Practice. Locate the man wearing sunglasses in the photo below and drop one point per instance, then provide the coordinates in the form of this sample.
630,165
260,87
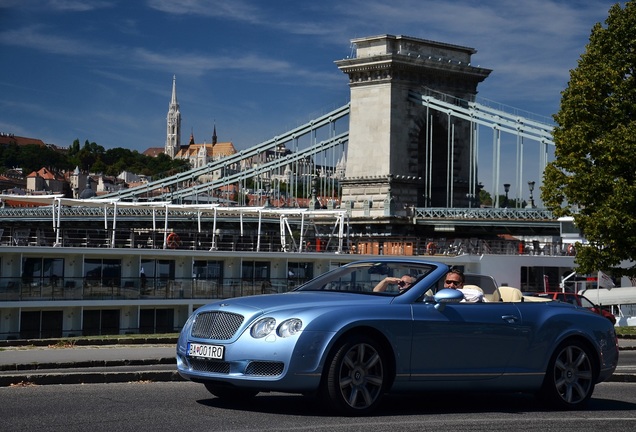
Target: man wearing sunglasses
455,280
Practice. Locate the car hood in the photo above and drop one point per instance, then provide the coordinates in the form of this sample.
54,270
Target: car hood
296,300
317,310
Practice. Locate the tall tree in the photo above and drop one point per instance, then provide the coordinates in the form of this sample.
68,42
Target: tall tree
593,176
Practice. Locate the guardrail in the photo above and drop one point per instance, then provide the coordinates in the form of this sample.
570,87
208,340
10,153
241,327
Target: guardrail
534,214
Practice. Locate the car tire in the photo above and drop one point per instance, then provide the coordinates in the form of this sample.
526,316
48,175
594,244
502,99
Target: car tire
230,393
569,380
356,376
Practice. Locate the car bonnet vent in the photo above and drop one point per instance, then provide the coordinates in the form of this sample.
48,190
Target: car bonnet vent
216,325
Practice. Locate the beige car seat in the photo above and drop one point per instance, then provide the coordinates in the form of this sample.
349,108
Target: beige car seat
510,294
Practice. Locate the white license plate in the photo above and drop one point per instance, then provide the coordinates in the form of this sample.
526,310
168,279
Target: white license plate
206,351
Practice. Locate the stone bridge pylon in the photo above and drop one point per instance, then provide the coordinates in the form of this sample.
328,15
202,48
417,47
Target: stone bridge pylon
402,154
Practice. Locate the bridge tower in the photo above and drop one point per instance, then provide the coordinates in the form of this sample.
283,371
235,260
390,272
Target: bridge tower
401,154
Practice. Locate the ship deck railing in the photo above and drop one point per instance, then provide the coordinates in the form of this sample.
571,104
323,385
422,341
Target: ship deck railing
208,240
82,288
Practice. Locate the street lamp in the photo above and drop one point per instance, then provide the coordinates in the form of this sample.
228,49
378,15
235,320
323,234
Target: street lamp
471,198
506,189
531,187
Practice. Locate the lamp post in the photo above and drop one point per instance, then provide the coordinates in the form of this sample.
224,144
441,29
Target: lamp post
506,189
531,187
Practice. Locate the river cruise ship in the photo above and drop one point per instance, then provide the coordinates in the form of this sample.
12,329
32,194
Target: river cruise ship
71,267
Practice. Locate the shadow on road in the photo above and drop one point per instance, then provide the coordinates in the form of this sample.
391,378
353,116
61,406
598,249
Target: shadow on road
284,404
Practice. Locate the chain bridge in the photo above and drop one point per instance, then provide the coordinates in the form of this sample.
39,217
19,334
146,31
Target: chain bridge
401,157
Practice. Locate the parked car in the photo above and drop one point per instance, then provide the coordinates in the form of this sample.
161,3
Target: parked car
335,338
579,300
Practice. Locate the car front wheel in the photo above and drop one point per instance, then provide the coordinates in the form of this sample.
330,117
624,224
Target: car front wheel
569,381
356,377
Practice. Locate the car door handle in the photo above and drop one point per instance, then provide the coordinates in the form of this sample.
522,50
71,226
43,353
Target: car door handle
510,319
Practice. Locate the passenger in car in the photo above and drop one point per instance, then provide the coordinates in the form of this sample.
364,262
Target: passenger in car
403,283
455,280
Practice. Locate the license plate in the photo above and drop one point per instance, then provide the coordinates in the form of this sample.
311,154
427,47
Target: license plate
206,351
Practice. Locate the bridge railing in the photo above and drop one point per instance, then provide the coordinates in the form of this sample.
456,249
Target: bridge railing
483,213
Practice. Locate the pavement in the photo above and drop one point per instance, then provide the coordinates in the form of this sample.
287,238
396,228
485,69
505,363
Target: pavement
86,361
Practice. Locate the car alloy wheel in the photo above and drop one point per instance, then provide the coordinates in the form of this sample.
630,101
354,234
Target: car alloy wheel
356,379
569,382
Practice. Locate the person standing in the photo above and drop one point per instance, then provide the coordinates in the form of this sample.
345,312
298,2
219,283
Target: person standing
142,278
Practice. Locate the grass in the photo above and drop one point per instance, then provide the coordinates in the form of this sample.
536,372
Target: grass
129,336
626,331
72,341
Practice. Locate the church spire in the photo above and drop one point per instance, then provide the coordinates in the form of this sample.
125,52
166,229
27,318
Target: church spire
173,101
214,135
173,120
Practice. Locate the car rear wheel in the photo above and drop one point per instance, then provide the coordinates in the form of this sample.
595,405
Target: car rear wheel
230,393
569,382
356,377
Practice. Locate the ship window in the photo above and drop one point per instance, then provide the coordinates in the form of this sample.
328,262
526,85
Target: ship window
300,271
42,271
540,279
207,270
255,270
105,272
156,321
101,322
159,271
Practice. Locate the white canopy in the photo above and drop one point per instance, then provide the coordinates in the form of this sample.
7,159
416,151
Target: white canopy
57,201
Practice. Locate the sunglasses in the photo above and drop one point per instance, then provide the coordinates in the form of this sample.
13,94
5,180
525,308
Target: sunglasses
403,283
452,282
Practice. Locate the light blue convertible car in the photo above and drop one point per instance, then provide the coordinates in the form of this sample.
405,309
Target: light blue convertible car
336,338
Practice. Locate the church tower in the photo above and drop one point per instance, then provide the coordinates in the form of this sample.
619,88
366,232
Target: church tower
173,120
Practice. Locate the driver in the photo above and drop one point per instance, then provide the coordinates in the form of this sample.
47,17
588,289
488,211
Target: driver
405,282
455,280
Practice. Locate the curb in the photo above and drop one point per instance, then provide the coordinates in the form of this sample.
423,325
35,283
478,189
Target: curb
626,378
85,364
89,378
86,342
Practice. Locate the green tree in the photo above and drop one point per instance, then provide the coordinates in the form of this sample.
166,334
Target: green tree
593,176
74,148
485,198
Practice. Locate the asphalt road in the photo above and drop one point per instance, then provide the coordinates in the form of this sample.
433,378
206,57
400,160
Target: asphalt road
146,406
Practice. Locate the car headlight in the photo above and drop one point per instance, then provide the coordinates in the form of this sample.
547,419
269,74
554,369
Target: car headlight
263,327
289,327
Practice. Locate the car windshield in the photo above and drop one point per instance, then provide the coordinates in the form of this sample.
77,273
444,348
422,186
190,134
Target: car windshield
363,277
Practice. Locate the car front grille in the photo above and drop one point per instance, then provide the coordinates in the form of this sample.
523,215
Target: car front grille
216,325
202,365
255,368
264,368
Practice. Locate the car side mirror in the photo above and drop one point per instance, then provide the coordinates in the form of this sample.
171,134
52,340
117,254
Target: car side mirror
447,295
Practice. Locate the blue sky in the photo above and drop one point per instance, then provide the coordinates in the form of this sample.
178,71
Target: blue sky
102,69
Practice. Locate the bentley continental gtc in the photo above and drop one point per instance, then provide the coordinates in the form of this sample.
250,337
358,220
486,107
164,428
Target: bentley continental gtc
377,327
